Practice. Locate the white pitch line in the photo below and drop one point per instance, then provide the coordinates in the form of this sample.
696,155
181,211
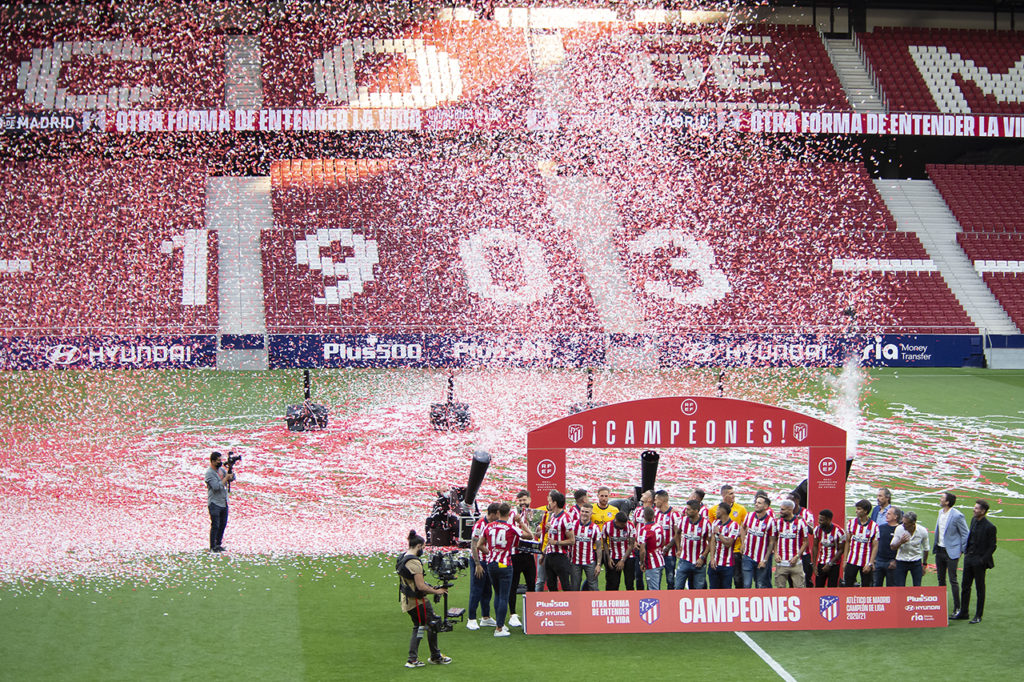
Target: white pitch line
772,663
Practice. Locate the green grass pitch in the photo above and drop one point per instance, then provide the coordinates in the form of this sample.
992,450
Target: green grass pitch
337,618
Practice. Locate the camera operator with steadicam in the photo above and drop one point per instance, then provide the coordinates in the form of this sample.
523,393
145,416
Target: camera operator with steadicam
414,590
218,485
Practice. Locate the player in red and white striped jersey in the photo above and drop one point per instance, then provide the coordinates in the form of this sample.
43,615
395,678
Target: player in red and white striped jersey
808,517
588,552
651,539
724,534
692,538
498,542
828,550
637,519
698,494
619,539
758,533
862,543
582,500
560,539
668,518
479,583
794,536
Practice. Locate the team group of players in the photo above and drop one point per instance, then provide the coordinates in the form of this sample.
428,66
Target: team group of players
696,547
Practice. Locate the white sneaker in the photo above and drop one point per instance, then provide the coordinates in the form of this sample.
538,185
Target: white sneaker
471,624
514,621
501,632
488,622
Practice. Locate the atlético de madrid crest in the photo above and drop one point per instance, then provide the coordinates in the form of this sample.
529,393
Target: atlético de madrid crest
829,607
575,432
649,610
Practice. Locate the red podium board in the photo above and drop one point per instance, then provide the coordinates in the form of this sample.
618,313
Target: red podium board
565,613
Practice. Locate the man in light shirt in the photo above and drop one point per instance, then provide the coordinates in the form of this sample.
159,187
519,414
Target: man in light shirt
910,541
950,543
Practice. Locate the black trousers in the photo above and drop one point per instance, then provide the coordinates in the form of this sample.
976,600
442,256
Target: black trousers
805,560
556,567
828,578
525,566
612,577
973,573
423,618
945,566
850,576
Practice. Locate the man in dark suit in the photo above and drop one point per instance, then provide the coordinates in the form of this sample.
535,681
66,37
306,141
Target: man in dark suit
981,543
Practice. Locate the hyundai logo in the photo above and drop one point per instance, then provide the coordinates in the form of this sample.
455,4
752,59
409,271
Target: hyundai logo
63,354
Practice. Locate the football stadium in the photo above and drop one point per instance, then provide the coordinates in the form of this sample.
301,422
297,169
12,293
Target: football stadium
395,262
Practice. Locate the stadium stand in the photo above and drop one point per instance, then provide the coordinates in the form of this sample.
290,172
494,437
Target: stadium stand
418,246
164,58
701,67
106,247
778,252
382,246
986,203
317,63
953,71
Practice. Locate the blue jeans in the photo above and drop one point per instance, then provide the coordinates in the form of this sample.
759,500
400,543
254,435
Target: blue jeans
479,592
670,572
720,578
218,522
883,573
914,568
653,578
501,579
689,573
753,576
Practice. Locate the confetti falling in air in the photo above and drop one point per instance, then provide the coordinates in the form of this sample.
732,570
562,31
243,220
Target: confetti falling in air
511,228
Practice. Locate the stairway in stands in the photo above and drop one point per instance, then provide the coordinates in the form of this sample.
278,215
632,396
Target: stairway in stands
918,207
854,75
243,79
238,208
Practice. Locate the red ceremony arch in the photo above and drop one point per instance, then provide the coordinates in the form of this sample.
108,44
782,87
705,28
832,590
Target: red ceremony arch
692,422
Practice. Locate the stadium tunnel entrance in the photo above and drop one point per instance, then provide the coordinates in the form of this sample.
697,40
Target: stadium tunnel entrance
692,422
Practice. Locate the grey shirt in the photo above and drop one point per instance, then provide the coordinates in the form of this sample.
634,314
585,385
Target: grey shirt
216,492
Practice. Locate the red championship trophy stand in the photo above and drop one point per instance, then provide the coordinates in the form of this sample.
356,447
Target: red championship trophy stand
698,422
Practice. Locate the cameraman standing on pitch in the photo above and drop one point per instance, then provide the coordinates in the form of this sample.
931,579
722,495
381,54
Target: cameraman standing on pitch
414,590
218,480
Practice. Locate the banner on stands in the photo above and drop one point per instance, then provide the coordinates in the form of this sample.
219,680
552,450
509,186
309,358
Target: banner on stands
805,350
109,352
470,118
564,613
435,350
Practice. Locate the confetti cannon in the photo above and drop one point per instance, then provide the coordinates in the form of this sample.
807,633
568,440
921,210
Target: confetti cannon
453,514
648,475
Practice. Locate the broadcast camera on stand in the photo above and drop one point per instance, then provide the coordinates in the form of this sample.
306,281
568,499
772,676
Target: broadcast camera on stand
453,514
589,404
308,416
450,415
